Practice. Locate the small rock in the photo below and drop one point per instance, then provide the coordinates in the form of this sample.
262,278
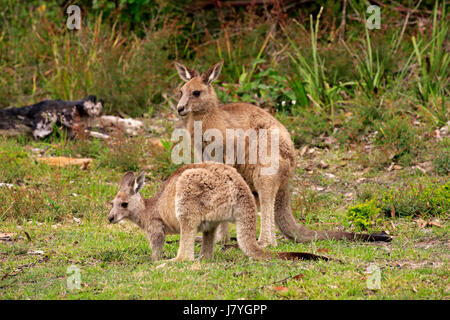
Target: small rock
303,150
437,134
35,252
348,195
98,135
162,265
330,140
37,150
7,237
8,185
323,165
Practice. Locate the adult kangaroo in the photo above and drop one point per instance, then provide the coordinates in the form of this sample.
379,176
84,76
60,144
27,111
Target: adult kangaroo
199,102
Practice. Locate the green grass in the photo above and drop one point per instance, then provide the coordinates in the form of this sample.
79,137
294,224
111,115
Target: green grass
43,208
380,94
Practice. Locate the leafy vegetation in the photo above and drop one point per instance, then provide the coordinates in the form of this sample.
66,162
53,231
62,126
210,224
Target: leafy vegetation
362,215
368,111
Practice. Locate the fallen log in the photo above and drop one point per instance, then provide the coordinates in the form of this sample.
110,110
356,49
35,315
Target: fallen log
40,118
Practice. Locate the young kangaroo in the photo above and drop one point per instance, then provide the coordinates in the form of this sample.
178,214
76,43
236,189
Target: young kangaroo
196,197
198,100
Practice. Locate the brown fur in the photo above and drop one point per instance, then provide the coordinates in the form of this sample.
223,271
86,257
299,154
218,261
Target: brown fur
273,190
197,197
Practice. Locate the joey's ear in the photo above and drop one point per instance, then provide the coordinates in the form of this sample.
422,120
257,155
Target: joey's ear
127,180
139,182
186,73
212,73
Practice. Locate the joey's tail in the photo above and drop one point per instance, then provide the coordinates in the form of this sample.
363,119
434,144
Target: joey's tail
246,237
299,233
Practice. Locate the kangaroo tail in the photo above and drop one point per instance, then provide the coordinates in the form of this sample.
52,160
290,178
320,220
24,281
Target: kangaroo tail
299,233
246,237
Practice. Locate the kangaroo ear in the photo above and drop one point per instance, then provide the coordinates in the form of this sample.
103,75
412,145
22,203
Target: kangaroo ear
127,180
186,73
213,73
139,182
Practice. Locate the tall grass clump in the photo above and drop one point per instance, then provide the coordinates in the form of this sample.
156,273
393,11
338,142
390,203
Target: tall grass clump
432,75
102,58
370,69
311,80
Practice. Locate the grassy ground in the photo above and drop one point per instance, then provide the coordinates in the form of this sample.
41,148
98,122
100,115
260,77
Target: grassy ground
57,218
368,111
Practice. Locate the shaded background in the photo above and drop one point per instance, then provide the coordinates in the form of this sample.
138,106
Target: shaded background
333,74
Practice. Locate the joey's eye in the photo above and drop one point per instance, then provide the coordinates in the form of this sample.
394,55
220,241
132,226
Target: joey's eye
196,93
180,93
124,204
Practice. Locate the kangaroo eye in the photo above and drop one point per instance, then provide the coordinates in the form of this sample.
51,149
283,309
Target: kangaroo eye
196,93
124,204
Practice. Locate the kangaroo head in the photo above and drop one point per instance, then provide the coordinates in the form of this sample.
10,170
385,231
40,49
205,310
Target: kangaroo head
128,203
197,95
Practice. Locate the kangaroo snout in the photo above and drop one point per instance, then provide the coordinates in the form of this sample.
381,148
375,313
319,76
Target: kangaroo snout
111,219
182,110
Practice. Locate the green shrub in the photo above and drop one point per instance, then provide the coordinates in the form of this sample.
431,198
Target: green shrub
12,165
417,199
363,215
401,137
442,162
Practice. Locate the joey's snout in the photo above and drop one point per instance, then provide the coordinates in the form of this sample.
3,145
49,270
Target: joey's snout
112,216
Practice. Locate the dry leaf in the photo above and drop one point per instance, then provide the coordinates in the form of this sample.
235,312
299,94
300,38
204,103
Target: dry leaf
298,277
330,140
28,235
65,161
280,289
303,151
162,265
323,165
323,250
392,212
156,142
434,223
421,223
